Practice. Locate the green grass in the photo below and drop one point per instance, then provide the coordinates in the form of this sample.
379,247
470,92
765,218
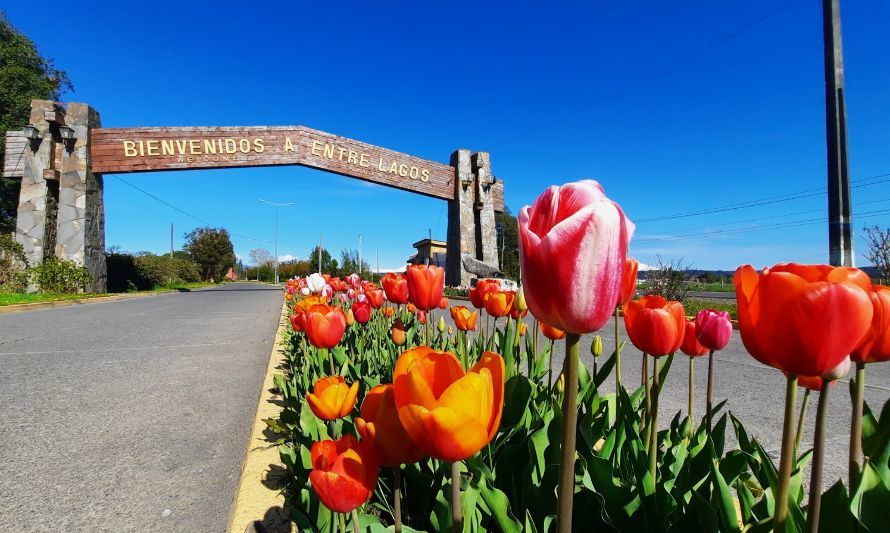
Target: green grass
13,298
694,305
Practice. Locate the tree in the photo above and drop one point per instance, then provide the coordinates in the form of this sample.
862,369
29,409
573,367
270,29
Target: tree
24,75
212,250
878,252
508,244
328,264
349,263
260,256
669,279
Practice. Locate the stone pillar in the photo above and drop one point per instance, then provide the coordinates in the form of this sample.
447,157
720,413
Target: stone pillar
80,235
30,229
461,220
486,227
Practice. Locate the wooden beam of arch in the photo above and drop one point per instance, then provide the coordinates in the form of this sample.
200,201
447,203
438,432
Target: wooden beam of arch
123,150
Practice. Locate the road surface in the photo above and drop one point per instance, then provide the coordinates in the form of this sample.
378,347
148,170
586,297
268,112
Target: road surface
131,415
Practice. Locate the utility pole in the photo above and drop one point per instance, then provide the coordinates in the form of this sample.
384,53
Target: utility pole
359,254
378,263
276,206
840,216
320,250
171,240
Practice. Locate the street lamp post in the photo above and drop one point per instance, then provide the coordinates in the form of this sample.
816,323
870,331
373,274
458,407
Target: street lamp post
276,206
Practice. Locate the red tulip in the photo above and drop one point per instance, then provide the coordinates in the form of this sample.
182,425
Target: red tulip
628,281
802,319
421,316
483,287
396,288
655,325
443,303
380,425
344,473
875,346
573,244
815,383
296,321
713,328
375,296
425,286
324,325
362,312
690,345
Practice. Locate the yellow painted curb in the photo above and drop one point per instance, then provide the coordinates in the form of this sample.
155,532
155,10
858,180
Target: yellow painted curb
257,498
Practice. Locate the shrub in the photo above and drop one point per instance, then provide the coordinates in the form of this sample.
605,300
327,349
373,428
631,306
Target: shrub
60,276
127,272
13,266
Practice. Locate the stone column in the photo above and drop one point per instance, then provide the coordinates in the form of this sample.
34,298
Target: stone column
80,235
461,220
486,227
30,229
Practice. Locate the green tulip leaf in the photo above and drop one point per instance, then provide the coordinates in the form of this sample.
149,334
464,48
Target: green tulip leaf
517,395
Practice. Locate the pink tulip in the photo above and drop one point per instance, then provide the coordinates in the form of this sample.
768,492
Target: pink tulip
713,328
343,298
354,280
327,291
573,243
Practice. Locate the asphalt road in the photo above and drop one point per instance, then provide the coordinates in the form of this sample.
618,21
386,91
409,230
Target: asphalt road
755,393
131,415
711,295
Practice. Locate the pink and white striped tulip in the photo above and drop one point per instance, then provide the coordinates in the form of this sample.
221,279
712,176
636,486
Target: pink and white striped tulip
573,243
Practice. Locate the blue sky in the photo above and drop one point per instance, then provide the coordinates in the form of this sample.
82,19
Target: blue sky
634,94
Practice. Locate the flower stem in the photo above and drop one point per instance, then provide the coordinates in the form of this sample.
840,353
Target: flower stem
550,371
653,422
331,361
691,393
710,393
644,381
342,517
856,427
566,490
800,420
818,462
397,498
781,513
617,352
457,518
355,526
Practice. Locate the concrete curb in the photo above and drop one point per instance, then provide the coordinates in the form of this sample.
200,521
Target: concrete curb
254,501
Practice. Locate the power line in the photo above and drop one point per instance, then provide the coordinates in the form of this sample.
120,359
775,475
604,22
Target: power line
186,213
765,201
621,90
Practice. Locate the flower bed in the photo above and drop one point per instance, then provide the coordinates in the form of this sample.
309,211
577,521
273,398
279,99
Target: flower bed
393,421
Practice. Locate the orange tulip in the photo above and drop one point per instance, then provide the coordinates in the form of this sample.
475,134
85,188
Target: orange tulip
398,332
483,287
389,311
379,424
331,398
802,319
655,325
396,288
449,414
499,303
628,281
425,286
691,346
411,308
551,332
464,319
325,325
875,346
344,473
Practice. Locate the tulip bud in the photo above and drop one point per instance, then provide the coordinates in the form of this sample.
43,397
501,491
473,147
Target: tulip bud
519,303
450,331
421,316
561,383
350,317
522,329
398,332
596,347
440,325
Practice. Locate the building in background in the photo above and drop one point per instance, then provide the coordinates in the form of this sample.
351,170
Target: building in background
429,251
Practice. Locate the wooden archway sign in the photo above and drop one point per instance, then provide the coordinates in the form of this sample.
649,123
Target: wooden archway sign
62,160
